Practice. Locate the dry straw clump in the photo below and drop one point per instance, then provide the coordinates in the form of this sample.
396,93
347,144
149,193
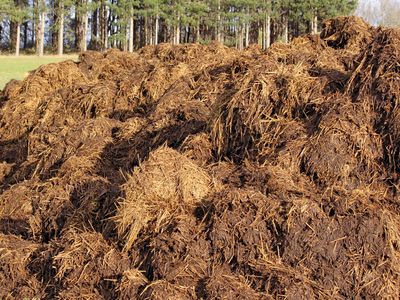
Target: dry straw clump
165,185
15,277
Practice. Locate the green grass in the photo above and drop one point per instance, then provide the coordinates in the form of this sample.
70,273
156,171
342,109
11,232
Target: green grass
18,67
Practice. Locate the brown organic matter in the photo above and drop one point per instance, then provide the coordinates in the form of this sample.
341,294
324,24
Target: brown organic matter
203,172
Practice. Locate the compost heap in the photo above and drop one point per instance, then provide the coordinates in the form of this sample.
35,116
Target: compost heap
202,172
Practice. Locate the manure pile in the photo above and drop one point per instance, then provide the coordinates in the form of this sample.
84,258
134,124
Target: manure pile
202,172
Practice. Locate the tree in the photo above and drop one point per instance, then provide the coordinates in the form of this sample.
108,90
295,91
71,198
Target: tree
17,13
130,24
41,28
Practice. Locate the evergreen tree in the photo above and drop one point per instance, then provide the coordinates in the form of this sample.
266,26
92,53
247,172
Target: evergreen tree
130,24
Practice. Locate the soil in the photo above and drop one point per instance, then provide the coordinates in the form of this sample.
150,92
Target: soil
203,172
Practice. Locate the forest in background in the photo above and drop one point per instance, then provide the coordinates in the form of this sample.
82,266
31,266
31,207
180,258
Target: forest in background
58,26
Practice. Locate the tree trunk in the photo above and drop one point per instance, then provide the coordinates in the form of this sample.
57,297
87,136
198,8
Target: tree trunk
18,39
315,24
286,31
219,22
247,39
103,26
247,28
197,38
13,34
94,34
85,30
126,40
25,41
242,36
188,33
54,24
156,29
131,33
35,23
150,31
60,47
81,25
178,31
312,25
40,50
146,31
267,32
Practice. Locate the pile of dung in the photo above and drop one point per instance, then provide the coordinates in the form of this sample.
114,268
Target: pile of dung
203,172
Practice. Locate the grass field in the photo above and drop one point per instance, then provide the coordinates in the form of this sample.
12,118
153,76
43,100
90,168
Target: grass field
18,67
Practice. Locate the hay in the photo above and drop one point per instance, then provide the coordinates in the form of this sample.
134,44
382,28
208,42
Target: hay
132,282
198,148
350,33
225,285
163,290
16,280
376,84
165,185
262,98
83,255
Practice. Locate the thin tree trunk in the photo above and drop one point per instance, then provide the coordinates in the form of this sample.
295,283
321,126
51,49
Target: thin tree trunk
312,25
267,30
156,29
197,38
41,29
286,31
105,42
150,31
237,37
136,33
85,30
60,46
247,39
145,31
35,23
247,28
18,39
25,41
94,28
168,35
242,35
188,33
315,24
13,34
178,31
131,32
103,25
264,32
126,40
219,22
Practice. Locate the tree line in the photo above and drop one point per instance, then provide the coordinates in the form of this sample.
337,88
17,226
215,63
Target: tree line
77,25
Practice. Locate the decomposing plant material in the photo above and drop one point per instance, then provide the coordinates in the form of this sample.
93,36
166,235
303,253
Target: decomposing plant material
203,172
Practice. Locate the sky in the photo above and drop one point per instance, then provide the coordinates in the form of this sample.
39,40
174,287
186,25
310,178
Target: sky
376,13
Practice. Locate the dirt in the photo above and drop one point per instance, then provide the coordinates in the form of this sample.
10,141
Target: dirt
203,172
